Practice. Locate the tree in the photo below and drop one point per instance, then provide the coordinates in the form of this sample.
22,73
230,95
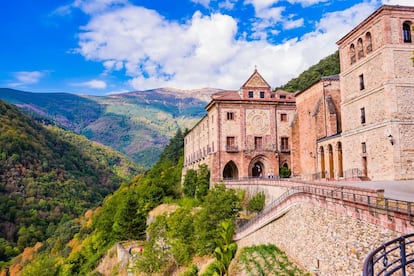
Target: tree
43,265
219,205
181,235
129,222
190,183
203,181
156,252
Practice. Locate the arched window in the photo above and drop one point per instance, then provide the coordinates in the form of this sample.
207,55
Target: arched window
352,54
368,42
407,32
360,48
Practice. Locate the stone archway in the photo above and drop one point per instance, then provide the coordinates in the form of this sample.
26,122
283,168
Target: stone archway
257,167
230,171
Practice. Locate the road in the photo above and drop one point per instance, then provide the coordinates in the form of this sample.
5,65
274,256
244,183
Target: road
401,190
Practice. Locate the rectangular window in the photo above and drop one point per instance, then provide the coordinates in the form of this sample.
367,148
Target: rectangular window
250,94
231,143
230,116
258,143
282,96
363,115
364,147
284,144
361,82
283,117
262,94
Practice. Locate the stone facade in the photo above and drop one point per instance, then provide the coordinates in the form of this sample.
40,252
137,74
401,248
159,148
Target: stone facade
377,93
359,124
318,122
246,133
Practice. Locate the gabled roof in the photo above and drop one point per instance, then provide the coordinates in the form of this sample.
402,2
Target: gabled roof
226,95
255,80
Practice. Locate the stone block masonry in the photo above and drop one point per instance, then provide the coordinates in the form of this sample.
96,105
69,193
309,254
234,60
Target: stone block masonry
311,235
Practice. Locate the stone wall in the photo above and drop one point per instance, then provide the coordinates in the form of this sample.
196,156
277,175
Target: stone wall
311,235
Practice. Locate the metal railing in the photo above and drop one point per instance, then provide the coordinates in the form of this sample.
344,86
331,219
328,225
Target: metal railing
374,203
393,256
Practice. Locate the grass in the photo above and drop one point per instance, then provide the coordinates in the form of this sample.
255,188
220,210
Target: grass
266,260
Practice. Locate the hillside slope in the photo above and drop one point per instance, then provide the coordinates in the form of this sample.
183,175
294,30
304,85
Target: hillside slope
138,124
48,175
325,67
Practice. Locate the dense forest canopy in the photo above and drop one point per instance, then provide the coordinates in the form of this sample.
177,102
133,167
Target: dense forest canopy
326,67
48,176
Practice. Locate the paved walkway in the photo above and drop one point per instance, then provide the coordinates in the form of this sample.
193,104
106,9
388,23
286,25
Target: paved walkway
401,190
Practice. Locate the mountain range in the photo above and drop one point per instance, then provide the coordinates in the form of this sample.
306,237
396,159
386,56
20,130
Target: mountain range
137,124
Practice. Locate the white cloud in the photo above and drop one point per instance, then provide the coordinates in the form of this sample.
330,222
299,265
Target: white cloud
227,4
204,51
94,84
398,2
306,3
97,6
23,78
204,3
261,4
292,24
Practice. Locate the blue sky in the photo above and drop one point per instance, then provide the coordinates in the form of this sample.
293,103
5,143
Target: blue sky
100,47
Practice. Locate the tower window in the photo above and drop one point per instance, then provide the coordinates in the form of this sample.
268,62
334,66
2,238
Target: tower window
407,32
360,48
230,116
283,117
363,115
262,94
352,54
250,94
368,41
364,147
361,82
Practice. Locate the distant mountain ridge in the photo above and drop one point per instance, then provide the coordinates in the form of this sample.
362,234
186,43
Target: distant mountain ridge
138,124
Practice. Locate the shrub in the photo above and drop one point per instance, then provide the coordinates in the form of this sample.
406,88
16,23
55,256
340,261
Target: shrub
256,203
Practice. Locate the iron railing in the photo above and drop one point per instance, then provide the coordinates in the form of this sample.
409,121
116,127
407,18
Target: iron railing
374,203
393,256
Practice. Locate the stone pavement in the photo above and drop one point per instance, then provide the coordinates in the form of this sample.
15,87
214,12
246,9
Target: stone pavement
401,190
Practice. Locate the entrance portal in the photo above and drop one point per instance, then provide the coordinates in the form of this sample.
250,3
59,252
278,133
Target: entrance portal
230,171
257,169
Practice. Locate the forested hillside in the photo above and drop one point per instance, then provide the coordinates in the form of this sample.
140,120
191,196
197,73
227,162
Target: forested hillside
49,176
137,124
325,67
77,245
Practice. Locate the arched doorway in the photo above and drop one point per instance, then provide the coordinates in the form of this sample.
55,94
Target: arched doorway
331,162
230,171
257,169
340,162
322,154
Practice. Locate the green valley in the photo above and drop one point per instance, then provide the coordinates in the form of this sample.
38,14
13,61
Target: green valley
137,124
48,177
